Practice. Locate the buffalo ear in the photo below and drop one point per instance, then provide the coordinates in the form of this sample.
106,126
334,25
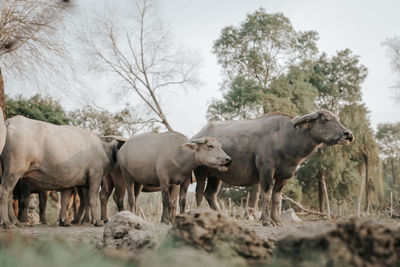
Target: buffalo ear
189,146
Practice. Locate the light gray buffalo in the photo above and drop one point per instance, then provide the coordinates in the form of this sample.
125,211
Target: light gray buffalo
159,160
267,150
3,131
52,157
115,181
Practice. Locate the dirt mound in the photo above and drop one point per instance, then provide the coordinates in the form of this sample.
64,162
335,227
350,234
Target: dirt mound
212,232
352,242
127,231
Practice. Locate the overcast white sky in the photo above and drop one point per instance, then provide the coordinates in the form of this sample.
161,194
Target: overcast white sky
359,25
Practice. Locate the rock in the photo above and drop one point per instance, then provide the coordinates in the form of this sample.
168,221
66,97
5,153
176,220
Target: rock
127,231
290,216
215,233
347,243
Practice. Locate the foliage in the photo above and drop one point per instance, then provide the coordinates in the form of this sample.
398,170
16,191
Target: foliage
37,107
262,49
388,136
125,122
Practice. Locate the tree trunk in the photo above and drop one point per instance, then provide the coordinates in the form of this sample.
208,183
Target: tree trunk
321,194
393,171
366,183
2,96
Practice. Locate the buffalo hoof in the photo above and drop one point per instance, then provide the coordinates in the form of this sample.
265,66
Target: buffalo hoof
19,224
75,222
44,221
85,220
99,223
64,223
278,222
9,225
268,222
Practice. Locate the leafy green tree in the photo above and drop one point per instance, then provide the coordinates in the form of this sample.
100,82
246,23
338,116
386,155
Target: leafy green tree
125,122
37,107
339,82
388,136
253,55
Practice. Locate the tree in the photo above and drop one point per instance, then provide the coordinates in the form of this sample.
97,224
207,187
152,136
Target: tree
30,49
388,136
393,52
263,48
125,122
37,107
130,42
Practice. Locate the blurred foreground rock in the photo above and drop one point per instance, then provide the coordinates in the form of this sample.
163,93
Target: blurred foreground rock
347,243
127,231
215,233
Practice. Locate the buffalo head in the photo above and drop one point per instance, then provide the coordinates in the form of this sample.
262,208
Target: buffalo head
208,152
324,127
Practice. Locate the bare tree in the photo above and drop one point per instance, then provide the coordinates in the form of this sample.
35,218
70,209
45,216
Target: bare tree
130,41
29,45
393,52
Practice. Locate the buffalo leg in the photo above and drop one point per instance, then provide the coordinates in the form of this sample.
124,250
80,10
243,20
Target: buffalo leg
43,195
94,186
105,192
213,186
166,200
119,191
200,174
266,192
276,196
182,195
137,189
130,187
174,194
6,187
65,199
24,195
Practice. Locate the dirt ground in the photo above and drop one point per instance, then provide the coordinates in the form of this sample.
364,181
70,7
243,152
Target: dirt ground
92,235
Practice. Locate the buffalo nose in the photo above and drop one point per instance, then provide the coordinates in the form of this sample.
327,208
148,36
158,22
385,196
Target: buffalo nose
228,161
349,135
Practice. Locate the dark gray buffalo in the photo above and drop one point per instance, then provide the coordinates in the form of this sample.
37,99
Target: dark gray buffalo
159,160
52,157
267,150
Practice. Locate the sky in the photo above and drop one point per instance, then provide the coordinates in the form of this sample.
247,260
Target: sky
361,26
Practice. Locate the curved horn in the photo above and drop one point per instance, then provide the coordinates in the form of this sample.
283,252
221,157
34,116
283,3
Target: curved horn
199,141
305,118
115,137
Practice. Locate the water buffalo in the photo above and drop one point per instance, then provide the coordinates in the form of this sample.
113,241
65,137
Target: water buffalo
167,158
115,181
55,158
3,131
266,150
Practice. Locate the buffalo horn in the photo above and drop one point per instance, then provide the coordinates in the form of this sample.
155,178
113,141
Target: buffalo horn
305,118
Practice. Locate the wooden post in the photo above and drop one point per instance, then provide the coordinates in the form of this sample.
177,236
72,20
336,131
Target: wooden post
359,199
391,204
229,206
328,206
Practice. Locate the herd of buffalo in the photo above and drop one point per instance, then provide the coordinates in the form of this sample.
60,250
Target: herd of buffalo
38,157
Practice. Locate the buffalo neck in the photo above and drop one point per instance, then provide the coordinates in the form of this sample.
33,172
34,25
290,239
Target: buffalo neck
186,160
301,143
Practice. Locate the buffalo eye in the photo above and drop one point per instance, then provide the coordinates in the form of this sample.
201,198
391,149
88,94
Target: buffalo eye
210,146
